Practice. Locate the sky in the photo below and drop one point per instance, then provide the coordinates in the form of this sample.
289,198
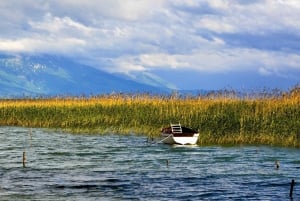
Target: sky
207,44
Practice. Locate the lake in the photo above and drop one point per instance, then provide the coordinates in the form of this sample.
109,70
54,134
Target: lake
67,167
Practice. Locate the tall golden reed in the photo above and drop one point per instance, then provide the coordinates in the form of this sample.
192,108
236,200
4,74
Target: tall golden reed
219,119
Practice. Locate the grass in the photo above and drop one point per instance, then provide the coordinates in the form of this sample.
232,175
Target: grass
220,119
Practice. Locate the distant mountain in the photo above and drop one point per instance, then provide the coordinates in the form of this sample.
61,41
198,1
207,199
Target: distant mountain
24,75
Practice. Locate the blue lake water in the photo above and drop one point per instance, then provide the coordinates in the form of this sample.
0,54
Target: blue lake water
62,166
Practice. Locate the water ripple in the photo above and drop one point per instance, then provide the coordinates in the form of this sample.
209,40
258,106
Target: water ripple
111,167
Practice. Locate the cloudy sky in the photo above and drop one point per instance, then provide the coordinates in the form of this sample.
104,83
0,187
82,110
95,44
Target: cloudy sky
207,44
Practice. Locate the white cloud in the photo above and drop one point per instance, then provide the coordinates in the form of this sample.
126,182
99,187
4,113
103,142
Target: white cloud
258,17
130,10
52,24
216,25
12,46
213,61
264,71
163,60
137,35
41,45
219,4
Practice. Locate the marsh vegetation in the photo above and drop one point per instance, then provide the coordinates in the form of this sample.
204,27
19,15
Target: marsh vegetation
221,118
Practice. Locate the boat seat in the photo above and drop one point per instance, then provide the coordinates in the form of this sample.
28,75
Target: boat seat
176,128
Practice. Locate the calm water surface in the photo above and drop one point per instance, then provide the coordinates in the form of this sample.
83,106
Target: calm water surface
111,167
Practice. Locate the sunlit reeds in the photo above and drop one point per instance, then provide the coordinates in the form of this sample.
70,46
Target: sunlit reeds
220,119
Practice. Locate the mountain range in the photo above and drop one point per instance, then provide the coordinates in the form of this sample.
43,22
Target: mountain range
24,75
48,75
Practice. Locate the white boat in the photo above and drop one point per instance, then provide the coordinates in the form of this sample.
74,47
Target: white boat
177,134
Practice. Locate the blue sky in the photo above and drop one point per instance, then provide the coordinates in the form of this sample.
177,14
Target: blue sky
206,44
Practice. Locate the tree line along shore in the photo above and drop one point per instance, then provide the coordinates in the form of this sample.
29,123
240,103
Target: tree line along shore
221,119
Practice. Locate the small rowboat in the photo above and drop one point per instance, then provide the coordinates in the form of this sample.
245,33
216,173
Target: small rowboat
177,134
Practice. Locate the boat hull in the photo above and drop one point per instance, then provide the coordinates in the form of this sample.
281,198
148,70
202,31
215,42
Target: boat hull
181,140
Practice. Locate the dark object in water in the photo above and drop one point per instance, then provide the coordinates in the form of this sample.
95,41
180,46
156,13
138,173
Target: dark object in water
292,188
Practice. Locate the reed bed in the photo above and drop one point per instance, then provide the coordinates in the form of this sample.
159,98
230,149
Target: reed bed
226,120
